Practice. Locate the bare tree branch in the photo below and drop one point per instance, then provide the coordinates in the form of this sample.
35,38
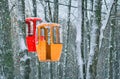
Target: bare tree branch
106,4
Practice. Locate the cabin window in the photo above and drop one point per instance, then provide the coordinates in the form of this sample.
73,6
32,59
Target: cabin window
42,34
54,35
29,29
48,36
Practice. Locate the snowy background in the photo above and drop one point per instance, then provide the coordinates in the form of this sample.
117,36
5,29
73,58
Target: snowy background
90,33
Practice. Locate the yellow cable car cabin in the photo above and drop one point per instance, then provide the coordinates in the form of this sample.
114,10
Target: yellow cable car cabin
48,46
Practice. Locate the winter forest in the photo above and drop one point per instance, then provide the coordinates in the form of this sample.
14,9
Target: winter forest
89,31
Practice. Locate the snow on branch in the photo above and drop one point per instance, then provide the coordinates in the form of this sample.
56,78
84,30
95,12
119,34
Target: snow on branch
22,42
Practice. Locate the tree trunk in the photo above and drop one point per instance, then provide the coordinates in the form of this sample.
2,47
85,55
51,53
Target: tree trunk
6,52
34,8
94,41
67,38
112,40
56,11
114,43
79,39
21,59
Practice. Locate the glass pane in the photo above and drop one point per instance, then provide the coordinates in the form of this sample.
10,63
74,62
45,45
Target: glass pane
36,38
42,36
42,32
26,29
48,35
54,35
31,28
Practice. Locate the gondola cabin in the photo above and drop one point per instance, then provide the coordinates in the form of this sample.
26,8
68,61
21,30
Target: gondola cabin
31,33
48,46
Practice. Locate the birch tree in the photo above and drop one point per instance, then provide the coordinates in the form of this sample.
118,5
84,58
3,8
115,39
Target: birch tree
79,39
94,40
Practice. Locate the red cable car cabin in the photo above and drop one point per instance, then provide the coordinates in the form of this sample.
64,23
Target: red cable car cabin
31,33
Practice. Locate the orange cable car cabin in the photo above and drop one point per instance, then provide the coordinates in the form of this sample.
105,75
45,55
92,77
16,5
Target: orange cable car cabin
31,33
48,46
